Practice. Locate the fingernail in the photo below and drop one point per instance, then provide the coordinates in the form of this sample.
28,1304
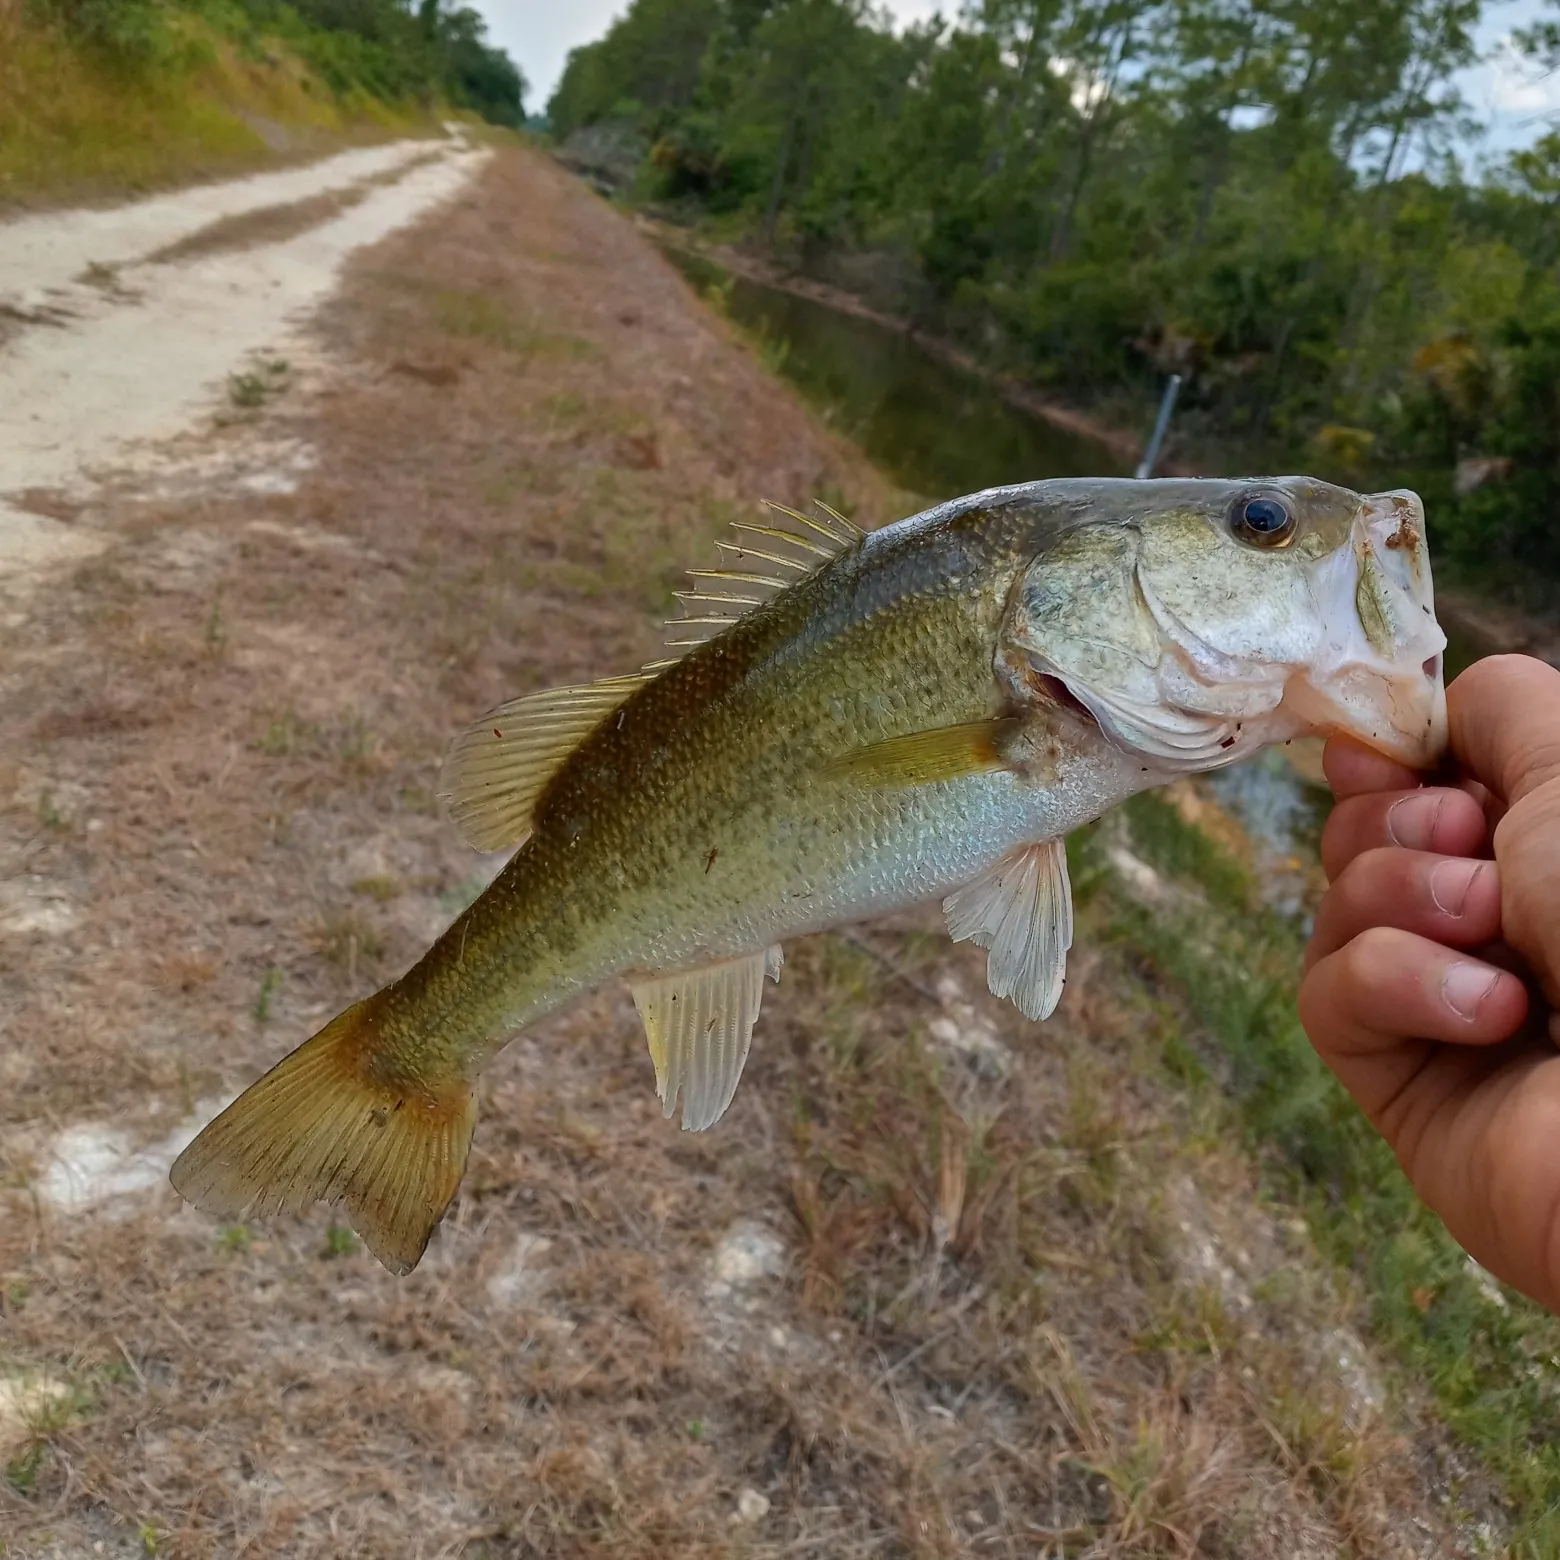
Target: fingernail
1465,986
1451,882
1411,820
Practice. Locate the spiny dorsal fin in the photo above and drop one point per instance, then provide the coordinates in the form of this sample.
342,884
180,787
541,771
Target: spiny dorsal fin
699,1024
925,757
1021,909
752,572
497,766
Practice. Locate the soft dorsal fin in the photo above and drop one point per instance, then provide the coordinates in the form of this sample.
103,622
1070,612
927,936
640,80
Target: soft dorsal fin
763,560
497,766
1020,909
699,1024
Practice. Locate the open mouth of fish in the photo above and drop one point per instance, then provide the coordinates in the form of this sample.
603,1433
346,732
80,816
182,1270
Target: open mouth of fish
1372,670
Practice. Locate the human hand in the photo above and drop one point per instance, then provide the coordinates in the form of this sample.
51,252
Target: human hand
1433,974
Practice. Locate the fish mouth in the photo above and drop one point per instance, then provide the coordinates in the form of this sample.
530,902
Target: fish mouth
1054,690
1378,676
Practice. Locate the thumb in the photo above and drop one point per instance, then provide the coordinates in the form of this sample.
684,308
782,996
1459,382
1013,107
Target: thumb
1505,726
1504,714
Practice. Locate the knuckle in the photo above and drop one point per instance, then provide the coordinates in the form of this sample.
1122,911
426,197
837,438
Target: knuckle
1374,879
1367,956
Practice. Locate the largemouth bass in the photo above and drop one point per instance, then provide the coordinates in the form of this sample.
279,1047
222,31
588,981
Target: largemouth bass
859,723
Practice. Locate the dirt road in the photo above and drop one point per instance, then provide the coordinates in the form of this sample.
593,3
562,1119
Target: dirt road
122,326
942,1283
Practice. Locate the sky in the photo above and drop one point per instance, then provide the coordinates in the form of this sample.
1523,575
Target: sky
538,35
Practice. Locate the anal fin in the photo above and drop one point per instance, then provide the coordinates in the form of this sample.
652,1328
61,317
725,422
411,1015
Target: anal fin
1021,910
699,1025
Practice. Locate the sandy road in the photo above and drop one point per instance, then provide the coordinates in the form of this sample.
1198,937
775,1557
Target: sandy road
120,327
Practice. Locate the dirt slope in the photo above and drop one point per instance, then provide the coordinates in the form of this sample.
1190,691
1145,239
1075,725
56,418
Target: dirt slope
942,1283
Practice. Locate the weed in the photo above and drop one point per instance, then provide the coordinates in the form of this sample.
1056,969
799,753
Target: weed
246,391
254,387
270,985
345,938
50,814
565,406
381,889
355,744
478,316
21,1472
419,799
216,635
339,1242
773,352
47,1409
234,1238
284,736
151,1539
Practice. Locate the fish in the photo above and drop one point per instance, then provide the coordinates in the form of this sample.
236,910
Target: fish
855,723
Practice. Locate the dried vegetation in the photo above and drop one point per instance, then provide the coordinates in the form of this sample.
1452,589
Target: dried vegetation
942,1284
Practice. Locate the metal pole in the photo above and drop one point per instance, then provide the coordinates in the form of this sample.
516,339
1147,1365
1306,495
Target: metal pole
1166,406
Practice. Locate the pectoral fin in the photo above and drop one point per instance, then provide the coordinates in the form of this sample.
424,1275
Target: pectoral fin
1020,909
924,757
699,1024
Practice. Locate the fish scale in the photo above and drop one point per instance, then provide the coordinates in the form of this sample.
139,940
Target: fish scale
870,722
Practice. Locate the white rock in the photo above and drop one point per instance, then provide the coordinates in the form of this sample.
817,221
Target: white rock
520,1281
751,1506
747,1253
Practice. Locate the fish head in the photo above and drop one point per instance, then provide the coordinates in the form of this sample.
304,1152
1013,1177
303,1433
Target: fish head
1199,621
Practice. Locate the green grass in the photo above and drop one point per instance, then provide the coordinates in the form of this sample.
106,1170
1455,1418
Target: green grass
1490,1359
270,985
85,119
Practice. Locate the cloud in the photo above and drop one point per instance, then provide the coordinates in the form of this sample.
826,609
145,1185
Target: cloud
1513,85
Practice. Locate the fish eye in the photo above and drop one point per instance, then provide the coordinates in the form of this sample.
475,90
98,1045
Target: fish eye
1262,520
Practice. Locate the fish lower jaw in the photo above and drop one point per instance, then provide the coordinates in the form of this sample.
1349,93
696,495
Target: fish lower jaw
1401,718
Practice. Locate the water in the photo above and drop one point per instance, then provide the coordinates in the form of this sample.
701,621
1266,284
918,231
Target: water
936,430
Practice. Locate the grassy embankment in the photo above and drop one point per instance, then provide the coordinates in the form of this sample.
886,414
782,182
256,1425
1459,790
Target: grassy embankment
1226,974
1221,982
82,116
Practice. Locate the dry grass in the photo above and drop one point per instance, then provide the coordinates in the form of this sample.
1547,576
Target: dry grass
1005,1291
277,224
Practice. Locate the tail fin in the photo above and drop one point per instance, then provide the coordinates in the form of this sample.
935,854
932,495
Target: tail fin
319,1127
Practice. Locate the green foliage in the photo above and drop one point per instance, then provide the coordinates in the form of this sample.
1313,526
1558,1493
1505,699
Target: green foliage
1094,193
649,61
128,32
395,50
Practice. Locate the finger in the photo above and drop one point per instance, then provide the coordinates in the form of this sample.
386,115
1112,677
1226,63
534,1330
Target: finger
1371,1006
1489,803
1527,841
1504,714
1449,898
1353,769
1447,822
